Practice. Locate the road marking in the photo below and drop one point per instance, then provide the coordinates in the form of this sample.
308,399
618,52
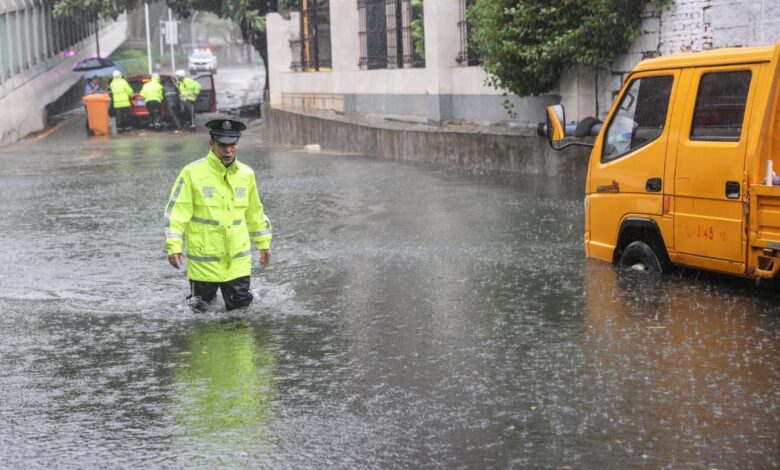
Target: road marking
47,132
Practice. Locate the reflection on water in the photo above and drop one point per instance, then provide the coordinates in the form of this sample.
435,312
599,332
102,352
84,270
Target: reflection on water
224,381
682,374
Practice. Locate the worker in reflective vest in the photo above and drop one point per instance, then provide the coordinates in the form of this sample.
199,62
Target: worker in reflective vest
121,92
214,205
152,92
189,90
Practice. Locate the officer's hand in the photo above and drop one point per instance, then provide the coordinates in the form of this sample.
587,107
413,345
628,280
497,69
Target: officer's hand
175,260
265,257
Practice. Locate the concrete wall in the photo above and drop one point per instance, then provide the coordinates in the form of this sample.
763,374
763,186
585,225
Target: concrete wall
28,93
478,148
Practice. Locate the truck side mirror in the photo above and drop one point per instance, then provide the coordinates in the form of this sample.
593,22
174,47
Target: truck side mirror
556,119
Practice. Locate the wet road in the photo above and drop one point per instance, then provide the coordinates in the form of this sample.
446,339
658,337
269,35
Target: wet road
411,317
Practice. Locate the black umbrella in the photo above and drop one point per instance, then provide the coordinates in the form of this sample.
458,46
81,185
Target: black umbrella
92,63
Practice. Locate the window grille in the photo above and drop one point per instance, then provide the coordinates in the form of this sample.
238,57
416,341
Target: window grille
295,49
468,54
386,39
315,51
393,18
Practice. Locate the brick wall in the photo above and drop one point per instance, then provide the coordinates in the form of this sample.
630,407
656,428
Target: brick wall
691,26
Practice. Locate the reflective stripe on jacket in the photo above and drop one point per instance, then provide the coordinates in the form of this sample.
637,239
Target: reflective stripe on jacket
218,211
152,90
188,89
121,91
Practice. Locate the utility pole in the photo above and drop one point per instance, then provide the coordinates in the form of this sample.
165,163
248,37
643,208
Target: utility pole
148,41
172,31
97,36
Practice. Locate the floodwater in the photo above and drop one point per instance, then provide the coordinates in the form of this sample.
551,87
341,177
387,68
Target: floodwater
410,317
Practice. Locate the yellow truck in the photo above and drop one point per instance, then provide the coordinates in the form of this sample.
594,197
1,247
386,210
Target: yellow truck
681,171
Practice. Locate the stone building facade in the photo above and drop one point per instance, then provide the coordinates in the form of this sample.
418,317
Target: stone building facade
446,85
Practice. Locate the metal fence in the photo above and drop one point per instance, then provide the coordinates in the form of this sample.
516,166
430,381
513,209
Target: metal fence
468,53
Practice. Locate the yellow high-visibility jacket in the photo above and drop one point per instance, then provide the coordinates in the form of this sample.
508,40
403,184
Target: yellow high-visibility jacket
121,92
152,90
188,89
217,210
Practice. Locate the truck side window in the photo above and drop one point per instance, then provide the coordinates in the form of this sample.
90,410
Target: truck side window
720,106
640,116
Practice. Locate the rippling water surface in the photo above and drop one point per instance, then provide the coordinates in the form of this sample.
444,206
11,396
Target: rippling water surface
411,317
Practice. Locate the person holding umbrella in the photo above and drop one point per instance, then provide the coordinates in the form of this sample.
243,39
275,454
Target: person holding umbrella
121,92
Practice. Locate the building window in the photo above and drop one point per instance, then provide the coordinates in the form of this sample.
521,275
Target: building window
389,32
295,50
13,43
43,34
5,71
468,54
315,35
50,44
24,32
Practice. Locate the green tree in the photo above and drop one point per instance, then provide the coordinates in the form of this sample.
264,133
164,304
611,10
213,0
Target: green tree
524,45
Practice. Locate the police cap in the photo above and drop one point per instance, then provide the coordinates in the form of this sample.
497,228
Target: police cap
225,131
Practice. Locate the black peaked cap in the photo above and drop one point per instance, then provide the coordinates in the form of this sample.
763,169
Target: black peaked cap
225,131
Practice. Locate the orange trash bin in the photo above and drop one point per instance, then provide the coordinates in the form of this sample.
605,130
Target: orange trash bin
97,112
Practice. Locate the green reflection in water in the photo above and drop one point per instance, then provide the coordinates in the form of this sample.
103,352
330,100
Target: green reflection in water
225,379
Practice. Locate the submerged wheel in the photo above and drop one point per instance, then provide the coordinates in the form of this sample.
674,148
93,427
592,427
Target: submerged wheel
641,256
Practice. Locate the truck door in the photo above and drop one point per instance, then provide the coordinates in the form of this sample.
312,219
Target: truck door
710,167
626,171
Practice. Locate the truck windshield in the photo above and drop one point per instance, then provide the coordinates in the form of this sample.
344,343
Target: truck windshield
640,116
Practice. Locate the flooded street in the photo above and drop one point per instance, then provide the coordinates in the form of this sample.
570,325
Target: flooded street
410,317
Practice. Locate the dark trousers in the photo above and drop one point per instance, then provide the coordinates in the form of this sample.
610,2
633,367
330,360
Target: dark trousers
154,113
236,293
188,113
121,117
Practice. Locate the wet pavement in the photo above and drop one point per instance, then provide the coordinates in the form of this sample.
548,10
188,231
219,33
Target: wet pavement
411,317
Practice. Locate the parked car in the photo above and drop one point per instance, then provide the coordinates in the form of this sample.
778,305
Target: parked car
139,114
203,60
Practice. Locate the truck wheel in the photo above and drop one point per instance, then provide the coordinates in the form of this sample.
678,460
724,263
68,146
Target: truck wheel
640,256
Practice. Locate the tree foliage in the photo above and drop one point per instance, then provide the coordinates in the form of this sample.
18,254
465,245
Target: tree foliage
524,45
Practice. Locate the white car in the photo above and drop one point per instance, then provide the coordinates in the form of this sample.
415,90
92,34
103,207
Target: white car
202,60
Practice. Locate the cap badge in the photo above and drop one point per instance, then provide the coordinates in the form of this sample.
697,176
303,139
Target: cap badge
226,125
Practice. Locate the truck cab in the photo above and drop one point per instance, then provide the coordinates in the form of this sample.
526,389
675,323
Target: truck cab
681,169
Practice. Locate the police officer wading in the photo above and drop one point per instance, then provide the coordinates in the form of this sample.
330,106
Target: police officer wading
214,206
